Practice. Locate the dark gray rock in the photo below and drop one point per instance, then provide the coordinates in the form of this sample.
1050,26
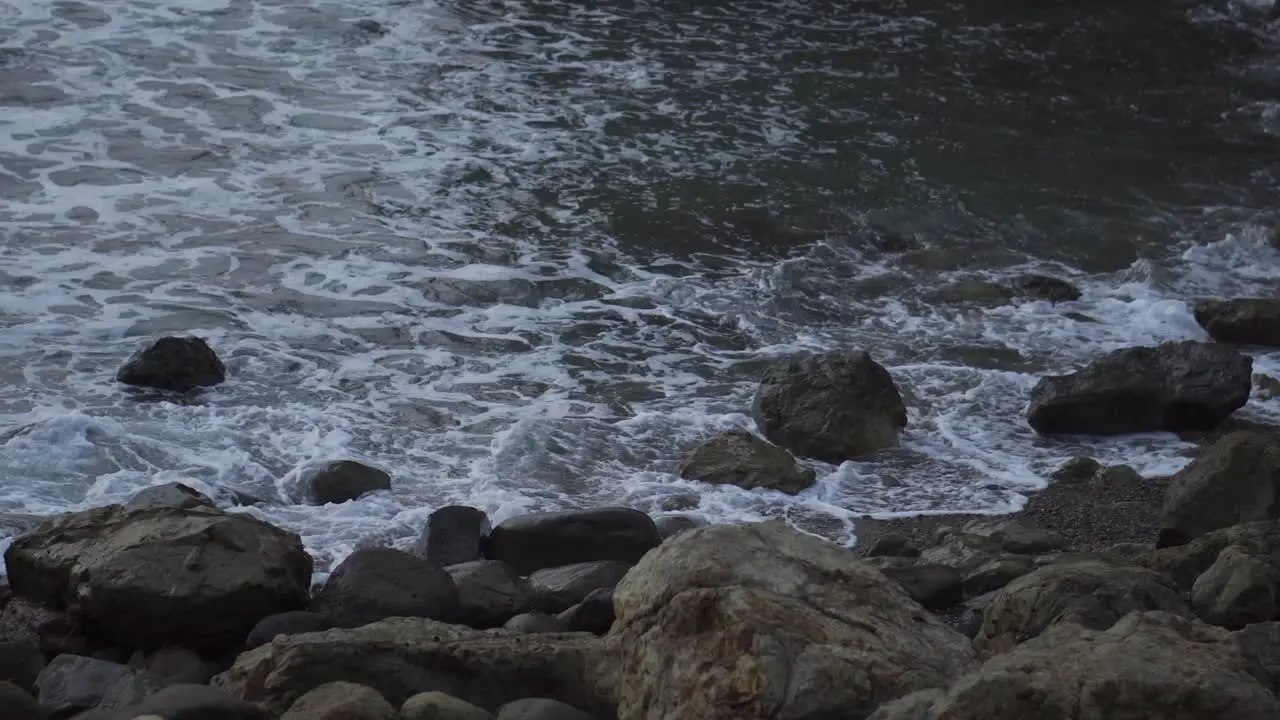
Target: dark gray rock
594,614
893,545
490,592
17,704
558,589
740,458
936,587
833,407
1247,321
971,613
173,363
196,702
175,495
454,534
996,573
52,631
439,706
1015,536
294,622
73,683
540,709
546,540
1043,287
1173,387
1237,590
341,701
175,665
376,583
1235,480
153,577
343,481
671,525
528,623
20,662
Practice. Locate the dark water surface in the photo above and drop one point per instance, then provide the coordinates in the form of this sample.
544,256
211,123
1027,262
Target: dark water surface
523,254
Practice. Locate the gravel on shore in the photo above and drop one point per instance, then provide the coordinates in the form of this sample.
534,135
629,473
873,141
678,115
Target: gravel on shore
1093,508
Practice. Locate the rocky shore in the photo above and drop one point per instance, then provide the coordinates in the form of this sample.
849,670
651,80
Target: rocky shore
1108,596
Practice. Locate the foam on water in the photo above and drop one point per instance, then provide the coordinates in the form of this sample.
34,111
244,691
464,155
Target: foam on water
395,234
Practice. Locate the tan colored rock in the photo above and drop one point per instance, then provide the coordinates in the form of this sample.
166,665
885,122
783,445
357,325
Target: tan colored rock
740,458
1235,480
763,621
398,657
1147,666
440,706
341,701
1090,593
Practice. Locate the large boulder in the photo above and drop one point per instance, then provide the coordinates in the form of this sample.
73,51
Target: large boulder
1174,387
1149,665
761,620
740,458
1090,593
833,407
1248,321
402,657
1237,589
149,577
490,592
377,583
342,481
1235,480
174,363
454,535
544,540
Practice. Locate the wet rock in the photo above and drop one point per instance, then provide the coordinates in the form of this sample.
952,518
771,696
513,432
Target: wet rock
151,577
1043,287
377,583
454,534
1015,536
683,501
195,702
671,525
1090,593
546,540
1265,386
535,623
399,656
490,592
341,701
594,614
1235,480
1173,387
740,458
18,703
893,545
540,709
936,587
558,589
343,481
174,363
796,627
52,631
1247,321
174,495
20,663
1147,665
439,706
72,683
1238,589
294,622
833,407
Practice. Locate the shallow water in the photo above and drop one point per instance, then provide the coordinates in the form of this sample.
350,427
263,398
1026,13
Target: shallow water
523,254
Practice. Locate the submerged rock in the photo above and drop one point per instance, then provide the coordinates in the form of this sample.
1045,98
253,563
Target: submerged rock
740,458
151,577
1044,287
1247,321
833,407
343,481
174,363
1174,387
793,626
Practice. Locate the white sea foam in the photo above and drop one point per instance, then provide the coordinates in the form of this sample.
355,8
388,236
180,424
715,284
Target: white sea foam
395,240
